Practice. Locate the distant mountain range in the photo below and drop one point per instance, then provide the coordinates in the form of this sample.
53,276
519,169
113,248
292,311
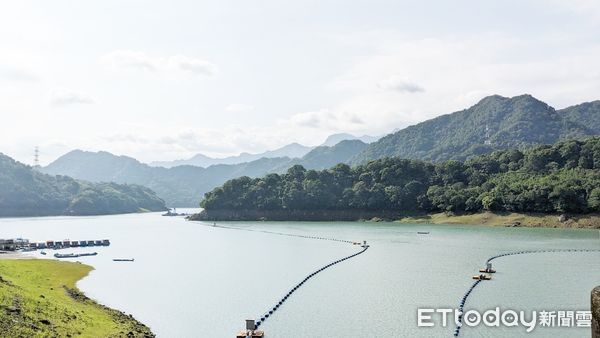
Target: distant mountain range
293,150
27,192
184,186
494,123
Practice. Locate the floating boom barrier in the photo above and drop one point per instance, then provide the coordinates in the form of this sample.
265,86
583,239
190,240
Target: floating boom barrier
256,324
468,293
270,312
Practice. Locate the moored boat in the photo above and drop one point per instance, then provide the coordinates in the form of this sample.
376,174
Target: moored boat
75,255
123,259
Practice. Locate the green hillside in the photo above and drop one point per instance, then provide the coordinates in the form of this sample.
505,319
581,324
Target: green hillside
586,114
27,192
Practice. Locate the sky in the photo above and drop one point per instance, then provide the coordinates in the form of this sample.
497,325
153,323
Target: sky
164,80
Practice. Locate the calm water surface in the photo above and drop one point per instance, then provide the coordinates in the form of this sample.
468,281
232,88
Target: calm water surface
191,280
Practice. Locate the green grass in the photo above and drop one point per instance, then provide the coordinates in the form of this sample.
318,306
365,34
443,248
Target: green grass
38,298
503,219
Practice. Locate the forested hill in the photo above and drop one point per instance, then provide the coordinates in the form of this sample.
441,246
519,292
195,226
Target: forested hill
26,192
494,123
586,114
561,178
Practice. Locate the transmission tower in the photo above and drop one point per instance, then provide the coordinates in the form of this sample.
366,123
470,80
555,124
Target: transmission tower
36,157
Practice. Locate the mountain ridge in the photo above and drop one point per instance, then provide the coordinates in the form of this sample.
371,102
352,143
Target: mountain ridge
494,123
292,150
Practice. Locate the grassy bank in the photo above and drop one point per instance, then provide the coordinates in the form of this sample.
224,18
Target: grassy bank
38,298
503,219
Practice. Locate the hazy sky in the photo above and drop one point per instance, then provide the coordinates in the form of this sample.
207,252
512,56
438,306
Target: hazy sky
160,80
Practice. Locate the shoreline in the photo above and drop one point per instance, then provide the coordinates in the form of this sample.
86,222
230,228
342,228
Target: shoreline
144,211
38,294
507,219
13,255
582,221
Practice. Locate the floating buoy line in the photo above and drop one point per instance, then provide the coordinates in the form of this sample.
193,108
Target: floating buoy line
489,260
253,325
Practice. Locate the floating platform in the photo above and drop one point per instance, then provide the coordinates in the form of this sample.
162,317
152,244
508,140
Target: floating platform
487,270
251,334
482,277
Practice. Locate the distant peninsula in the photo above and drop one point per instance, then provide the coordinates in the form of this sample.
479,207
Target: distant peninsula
558,179
26,192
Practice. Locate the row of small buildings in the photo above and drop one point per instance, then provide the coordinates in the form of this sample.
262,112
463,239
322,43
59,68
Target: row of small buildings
21,243
13,244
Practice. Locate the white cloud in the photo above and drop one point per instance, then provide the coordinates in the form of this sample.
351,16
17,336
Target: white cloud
65,97
458,72
325,119
239,107
131,59
192,65
165,143
589,8
400,84
139,60
17,74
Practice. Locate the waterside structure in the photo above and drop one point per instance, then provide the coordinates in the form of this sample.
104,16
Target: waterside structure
13,244
26,245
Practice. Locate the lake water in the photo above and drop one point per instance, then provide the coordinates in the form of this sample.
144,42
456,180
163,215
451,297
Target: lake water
192,280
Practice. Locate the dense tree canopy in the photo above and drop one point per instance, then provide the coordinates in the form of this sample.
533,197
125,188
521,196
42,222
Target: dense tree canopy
564,177
26,192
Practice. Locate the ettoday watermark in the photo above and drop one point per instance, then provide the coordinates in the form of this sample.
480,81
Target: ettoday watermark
499,317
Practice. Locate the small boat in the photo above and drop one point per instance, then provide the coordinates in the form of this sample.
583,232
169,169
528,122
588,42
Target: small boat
74,255
88,254
482,277
43,252
123,259
423,232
